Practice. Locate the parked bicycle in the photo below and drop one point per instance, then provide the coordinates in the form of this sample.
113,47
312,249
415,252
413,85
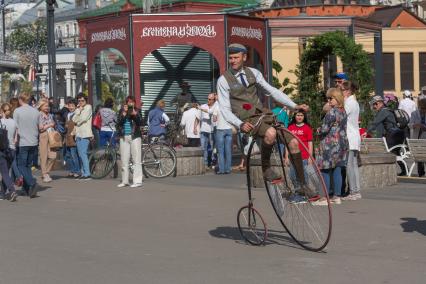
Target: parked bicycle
307,223
158,160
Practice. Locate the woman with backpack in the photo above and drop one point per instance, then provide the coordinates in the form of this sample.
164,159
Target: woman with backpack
7,152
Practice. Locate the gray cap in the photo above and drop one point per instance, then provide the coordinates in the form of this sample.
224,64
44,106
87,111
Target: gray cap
376,99
236,48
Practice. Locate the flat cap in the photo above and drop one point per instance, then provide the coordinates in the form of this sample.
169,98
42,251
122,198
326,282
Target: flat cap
376,99
236,48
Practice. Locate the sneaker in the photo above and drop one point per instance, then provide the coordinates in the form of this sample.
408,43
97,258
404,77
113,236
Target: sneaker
136,185
336,200
270,175
19,181
13,196
47,178
320,202
122,185
2,196
297,199
351,197
85,178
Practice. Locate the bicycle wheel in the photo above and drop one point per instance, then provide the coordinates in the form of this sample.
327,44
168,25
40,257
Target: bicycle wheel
102,162
159,161
251,225
294,204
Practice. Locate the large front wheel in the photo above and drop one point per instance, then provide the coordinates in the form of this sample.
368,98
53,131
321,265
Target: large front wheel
159,160
300,203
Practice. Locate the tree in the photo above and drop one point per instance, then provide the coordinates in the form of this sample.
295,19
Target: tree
286,85
356,64
28,42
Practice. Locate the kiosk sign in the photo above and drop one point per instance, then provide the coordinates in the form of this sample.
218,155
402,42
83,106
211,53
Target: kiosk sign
109,35
247,32
183,31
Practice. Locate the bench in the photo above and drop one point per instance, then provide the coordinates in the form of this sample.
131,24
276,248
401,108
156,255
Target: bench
418,152
380,146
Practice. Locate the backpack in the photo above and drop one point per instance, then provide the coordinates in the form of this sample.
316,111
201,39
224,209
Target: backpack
402,118
4,141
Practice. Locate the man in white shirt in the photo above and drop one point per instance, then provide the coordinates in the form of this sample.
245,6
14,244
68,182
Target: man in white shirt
407,104
191,121
206,129
354,139
223,142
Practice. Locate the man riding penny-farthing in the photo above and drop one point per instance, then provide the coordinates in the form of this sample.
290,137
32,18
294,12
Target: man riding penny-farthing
292,188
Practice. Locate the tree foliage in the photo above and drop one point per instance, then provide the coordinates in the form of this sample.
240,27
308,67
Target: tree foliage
28,42
286,86
356,64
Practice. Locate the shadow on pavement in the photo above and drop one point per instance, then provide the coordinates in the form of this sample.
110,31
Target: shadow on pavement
414,225
274,237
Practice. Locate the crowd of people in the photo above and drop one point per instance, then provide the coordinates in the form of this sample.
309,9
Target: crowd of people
33,128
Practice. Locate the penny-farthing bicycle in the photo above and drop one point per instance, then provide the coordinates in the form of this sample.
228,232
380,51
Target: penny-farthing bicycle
307,219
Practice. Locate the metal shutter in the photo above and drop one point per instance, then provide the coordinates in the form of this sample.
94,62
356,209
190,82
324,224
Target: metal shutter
164,69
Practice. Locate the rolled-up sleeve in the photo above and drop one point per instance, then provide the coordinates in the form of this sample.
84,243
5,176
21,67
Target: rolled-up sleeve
225,103
274,92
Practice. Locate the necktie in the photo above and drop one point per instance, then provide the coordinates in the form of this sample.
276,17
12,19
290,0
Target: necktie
243,81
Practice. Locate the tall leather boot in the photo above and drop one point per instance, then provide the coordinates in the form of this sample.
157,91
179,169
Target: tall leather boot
268,173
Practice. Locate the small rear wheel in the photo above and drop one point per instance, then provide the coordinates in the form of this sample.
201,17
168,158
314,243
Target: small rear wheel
251,225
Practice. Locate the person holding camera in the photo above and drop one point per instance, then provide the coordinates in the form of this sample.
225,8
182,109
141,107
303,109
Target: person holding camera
83,133
129,124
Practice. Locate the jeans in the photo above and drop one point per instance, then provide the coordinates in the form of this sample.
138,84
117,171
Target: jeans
6,182
224,149
15,171
352,172
336,174
82,146
25,158
131,148
206,140
105,137
73,162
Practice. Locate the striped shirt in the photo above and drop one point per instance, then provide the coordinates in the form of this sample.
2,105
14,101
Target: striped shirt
127,127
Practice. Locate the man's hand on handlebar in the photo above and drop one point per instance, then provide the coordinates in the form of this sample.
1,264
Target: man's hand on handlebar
246,127
303,107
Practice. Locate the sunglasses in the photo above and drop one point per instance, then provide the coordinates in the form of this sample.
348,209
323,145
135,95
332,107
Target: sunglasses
210,99
81,100
329,98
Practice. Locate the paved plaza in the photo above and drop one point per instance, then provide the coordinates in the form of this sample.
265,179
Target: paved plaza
183,230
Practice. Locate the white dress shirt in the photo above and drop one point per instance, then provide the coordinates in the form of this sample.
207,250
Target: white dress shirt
225,102
408,105
188,121
352,127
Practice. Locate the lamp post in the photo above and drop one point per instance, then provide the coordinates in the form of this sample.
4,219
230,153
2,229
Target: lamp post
51,48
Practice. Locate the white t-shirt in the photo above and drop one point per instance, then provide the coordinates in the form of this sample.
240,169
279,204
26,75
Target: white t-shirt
206,118
10,126
188,120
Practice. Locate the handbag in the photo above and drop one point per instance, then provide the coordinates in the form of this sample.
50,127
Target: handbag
4,140
97,121
181,138
55,139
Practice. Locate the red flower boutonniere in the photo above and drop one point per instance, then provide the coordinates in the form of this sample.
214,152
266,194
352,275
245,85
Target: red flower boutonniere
247,106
